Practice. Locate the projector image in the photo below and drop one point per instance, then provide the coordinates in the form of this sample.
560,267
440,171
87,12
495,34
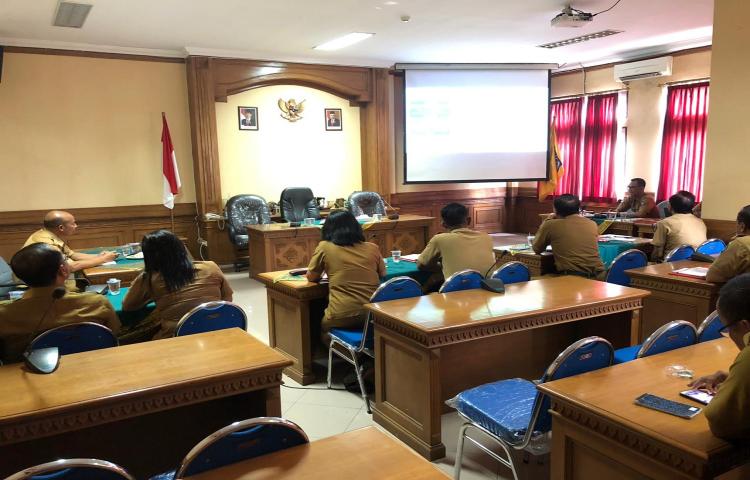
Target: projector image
570,18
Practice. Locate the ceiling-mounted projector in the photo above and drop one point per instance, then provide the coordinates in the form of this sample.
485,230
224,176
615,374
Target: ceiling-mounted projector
571,17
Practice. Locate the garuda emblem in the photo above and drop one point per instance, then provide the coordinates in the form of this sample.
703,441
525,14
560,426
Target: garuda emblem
291,110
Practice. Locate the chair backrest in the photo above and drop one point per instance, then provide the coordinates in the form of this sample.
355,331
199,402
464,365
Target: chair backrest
394,289
298,204
512,272
242,210
710,327
675,334
625,261
73,469
241,441
463,280
366,203
712,246
683,252
211,316
663,208
585,355
75,338
6,277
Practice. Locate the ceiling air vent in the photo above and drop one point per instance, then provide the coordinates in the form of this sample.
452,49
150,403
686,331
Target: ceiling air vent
71,14
582,38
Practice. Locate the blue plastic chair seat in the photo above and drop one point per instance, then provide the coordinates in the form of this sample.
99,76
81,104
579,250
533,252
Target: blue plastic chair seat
351,337
164,476
627,354
503,407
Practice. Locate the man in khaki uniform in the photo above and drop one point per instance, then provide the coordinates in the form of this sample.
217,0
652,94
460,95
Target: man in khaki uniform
461,248
735,260
682,228
574,239
44,270
728,414
637,204
59,226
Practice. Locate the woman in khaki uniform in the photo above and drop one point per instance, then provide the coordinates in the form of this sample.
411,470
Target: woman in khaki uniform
176,284
354,268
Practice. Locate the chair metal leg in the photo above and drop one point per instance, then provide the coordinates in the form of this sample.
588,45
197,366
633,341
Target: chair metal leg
361,383
330,363
459,451
506,449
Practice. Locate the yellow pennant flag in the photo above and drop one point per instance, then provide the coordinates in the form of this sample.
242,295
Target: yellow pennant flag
556,168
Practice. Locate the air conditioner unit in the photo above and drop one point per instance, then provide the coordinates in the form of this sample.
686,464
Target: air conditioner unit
655,67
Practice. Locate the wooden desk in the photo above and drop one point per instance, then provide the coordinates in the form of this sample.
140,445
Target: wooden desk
364,454
143,406
274,247
673,297
430,348
598,432
126,274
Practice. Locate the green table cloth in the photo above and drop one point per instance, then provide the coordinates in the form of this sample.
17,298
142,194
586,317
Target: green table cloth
132,317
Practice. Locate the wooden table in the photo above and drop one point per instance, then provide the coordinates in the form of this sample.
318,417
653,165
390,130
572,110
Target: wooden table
599,433
126,273
430,348
364,454
673,297
275,247
143,406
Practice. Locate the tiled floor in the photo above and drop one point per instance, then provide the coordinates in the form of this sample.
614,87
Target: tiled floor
322,412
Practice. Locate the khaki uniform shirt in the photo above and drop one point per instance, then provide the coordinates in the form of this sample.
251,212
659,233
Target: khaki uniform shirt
575,244
19,319
679,229
209,285
644,207
733,261
728,414
45,236
353,274
459,249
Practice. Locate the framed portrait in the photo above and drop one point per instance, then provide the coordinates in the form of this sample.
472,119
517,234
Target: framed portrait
333,119
247,118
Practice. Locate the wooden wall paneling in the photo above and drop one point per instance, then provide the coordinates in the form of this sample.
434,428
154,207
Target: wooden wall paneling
723,229
376,142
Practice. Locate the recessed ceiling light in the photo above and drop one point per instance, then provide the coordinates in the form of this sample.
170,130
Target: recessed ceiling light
390,3
345,41
582,38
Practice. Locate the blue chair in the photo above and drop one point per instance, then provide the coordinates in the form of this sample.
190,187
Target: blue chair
350,343
211,316
512,272
75,338
710,327
625,261
683,252
676,334
239,441
712,246
514,413
73,469
463,280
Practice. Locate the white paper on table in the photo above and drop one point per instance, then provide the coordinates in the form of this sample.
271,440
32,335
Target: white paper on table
135,256
108,264
697,272
412,257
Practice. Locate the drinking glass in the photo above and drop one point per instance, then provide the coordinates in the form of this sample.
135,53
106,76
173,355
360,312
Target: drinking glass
377,216
308,222
396,255
114,286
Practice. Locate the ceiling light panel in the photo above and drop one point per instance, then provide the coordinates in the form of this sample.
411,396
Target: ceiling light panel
582,38
343,42
71,14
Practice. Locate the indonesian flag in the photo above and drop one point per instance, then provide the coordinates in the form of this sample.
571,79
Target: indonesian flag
169,166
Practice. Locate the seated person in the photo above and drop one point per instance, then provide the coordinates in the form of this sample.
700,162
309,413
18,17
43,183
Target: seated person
637,204
44,269
681,228
354,268
59,226
728,414
460,248
735,260
176,284
574,239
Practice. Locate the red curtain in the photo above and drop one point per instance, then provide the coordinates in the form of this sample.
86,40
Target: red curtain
599,138
683,145
566,115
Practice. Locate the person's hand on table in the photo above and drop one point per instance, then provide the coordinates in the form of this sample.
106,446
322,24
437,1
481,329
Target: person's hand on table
710,383
108,256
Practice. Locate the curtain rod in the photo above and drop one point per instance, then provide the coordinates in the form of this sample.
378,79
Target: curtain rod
605,92
685,82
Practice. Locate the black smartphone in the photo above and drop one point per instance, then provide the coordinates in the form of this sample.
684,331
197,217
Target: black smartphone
700,396
677,409
298,271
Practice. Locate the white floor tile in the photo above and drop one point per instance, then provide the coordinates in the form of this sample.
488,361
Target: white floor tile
332,398
361,420
320,421
251,296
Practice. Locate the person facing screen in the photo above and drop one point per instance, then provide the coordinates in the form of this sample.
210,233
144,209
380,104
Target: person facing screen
354,269
174,282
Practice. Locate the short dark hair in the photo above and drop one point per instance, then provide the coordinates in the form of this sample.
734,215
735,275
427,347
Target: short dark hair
639,181
682,202
454,215
744,216
342,228
37,264
734,299
567,204
164,253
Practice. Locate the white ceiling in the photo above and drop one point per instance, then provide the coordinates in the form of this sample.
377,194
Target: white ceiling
440,31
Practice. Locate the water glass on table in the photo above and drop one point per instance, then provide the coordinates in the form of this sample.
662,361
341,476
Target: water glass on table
114,286
396,255
377,217
530,239
308,222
